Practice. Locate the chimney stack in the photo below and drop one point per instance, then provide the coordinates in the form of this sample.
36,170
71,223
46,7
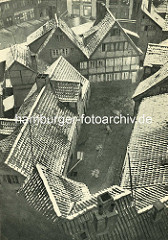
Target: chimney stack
34,62
41,81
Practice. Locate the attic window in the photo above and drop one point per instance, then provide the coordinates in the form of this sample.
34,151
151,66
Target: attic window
105,197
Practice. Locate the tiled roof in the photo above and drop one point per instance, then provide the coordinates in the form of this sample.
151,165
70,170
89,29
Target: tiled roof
68,82
151,81
153,15
104,27
51,26
18,53
162,7
47,144
83,28
48,26
156,54
68,198
146,196
58,193
148,146
31,97
91,202
6,145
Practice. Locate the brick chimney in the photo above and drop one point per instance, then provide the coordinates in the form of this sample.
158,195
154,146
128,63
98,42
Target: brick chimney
106,214
41,81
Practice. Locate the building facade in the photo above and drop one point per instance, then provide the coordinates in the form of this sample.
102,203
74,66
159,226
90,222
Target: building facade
121,9
151,26
17,11
106,52
82,8
112,54
19,77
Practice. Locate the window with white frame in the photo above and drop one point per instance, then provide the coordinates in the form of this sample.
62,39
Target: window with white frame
100,63
60,52
83,65
92,64
110,62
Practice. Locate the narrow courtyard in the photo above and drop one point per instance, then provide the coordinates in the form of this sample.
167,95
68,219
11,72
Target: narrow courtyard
104,149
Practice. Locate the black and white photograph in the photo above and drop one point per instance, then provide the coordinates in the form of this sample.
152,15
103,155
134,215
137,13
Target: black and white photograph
83,119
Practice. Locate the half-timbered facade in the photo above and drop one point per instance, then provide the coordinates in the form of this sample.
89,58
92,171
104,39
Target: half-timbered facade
112,54
105,52
55,39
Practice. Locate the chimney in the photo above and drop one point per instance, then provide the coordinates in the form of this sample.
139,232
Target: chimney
150,5
105,202
41,81
34,62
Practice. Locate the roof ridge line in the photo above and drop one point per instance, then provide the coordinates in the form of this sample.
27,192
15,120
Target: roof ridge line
51,196
25,124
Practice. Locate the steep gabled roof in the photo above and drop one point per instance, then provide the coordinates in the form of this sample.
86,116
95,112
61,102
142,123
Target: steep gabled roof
58,192
156,54
68,82
51,27
103,28
148,147
18,53
151,81
46,143
153,15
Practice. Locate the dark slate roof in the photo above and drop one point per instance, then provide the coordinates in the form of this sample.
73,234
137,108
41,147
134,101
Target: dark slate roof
47,144
60,193
148,150
68,82
151,81
156,54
